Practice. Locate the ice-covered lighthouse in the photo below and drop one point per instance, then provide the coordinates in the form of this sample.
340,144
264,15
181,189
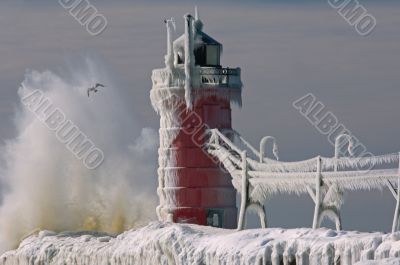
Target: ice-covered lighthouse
192,94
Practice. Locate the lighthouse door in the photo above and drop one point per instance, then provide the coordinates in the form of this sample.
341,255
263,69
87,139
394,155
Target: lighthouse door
215,217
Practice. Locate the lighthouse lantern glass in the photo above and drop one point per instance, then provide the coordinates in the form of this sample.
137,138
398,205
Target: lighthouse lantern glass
207,55
212,55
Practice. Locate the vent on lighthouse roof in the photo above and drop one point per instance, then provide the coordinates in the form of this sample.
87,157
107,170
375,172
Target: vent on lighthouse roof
207,51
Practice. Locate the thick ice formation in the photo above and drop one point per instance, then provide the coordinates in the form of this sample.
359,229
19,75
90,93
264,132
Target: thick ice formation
189,63
167,243
390,261
270,177
258,179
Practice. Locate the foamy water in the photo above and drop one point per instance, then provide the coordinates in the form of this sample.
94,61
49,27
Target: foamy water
44,186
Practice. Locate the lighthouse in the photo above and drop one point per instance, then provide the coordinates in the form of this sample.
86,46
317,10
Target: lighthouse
192,94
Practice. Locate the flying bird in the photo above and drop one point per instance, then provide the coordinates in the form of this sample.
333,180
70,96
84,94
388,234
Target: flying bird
94,88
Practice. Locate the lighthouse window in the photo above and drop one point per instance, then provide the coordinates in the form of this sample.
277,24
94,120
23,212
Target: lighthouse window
179,59
215,217
207,55
212,55
200,55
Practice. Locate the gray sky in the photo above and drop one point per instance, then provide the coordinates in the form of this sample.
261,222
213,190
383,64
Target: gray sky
285,50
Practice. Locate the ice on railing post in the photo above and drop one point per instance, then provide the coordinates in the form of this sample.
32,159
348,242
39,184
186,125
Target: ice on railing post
317,194
243,202
395,225
263,142
189,63
339,144
169,58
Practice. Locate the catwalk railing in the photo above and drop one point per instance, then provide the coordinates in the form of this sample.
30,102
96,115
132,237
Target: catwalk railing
325,179
203,77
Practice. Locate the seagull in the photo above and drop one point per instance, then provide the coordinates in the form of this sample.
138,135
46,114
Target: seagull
94,88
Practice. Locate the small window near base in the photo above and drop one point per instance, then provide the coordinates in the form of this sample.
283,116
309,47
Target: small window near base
215,217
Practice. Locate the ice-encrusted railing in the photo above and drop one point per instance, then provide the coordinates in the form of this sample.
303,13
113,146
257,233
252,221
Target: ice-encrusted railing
203,77
324,179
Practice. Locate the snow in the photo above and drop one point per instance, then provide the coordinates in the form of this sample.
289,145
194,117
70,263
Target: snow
168,243
392,261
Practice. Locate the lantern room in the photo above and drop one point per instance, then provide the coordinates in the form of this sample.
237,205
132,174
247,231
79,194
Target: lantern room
207,51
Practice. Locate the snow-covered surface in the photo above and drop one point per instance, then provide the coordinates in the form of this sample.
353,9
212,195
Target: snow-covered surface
390,261
168,243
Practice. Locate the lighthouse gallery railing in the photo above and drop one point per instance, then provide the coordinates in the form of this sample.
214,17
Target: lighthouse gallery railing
202,77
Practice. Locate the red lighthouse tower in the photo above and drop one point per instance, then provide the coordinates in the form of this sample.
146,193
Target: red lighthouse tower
192,94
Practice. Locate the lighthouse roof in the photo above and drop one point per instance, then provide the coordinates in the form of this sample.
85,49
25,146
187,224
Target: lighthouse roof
200,39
